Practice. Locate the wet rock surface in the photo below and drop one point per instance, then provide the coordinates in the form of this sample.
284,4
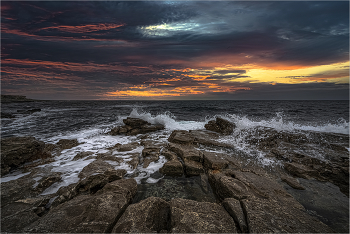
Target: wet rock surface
134,126
15,151
149,215
195,189
220,125
188,216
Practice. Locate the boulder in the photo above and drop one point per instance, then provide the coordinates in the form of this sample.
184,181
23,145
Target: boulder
134,122
133,160
199,217
172,168
149,215
15,151
214,161
193,168
135,126
67,143
181,137
88,213
150,154
96,167
186,152
221,126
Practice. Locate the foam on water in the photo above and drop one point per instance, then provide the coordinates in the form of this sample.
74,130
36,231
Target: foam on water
167,119
279,124
13,176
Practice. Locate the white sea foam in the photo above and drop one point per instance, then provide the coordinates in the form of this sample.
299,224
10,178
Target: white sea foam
168,120
13,176
279,124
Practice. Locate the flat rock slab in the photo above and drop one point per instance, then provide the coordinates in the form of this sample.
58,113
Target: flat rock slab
67,143
181,137
214,161
188,216
272,216
149,215
186,152
88,213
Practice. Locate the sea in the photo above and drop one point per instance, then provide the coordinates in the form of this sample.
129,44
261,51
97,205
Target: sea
90,121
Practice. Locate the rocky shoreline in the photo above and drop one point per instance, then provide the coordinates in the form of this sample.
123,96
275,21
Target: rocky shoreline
228,194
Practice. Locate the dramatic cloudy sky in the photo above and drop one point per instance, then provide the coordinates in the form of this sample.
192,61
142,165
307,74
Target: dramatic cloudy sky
175,50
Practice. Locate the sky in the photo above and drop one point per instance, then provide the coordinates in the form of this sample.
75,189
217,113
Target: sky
184,50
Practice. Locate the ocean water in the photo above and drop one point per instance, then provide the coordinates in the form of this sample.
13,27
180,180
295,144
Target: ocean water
89,121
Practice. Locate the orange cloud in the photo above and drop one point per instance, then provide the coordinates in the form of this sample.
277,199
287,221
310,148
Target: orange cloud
83,28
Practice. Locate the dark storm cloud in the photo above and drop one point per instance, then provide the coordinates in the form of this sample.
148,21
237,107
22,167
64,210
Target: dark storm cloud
133,43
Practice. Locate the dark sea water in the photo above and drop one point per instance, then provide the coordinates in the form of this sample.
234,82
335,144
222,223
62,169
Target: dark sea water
63,118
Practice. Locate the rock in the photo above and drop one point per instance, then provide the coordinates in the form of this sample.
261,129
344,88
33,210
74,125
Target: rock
172,168
181,137
233,207
150,154
88,213
199,217
274,216
221,126
127,147
149,215
133,160
47,181
98,166
95,182
134,122
109,156
67,143
81,155
16,216
193,168
228,187
151,128
15,151
186,152
208,138
15,98
169,155
215,161
292,182
135,126
299,170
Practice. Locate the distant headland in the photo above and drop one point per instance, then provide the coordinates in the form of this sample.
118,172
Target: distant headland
15,98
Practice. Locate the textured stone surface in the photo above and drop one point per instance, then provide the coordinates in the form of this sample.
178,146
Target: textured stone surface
220,125
181,137
97,166
189,216
16,151
270,215
172,168
215,161
96,213
193,168
149,215
233,207
67,143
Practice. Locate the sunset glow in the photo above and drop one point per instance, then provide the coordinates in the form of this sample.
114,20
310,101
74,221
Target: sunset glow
175,50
